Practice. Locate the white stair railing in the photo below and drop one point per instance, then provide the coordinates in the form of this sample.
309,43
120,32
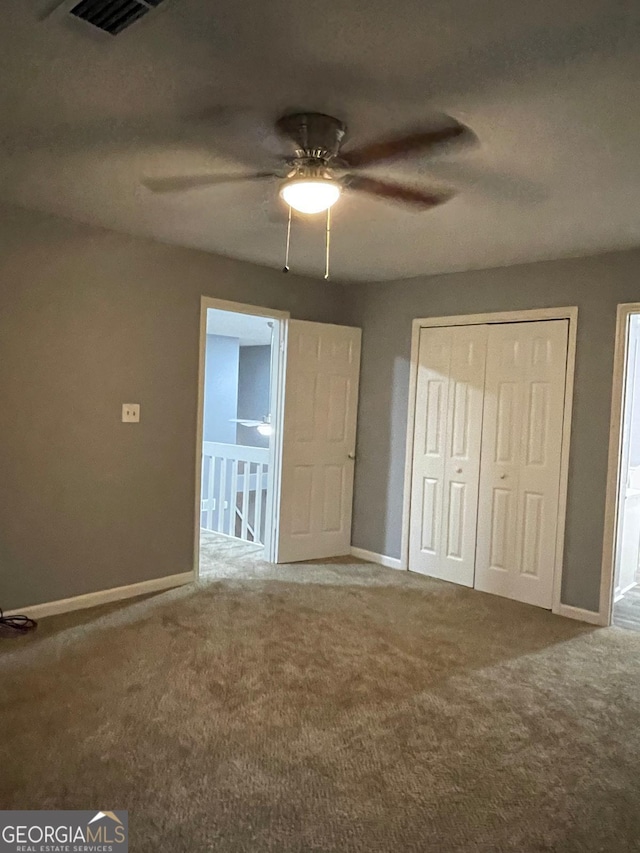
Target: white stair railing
234,490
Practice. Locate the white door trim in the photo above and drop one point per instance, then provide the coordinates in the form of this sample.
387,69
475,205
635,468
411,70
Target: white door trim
277,402
613,468
569,313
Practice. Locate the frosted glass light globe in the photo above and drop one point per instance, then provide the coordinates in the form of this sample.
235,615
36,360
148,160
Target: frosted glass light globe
309,195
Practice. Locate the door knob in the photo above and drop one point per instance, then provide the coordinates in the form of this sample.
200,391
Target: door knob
503,476
352,456
458,470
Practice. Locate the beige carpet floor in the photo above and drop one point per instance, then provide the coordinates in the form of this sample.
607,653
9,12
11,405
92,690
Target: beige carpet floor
332,707
226,556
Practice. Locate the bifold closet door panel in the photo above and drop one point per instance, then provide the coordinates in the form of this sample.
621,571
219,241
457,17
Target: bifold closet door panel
521,455
446,455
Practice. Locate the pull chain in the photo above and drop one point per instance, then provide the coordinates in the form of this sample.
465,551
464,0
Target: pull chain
327,245
327,256
286,257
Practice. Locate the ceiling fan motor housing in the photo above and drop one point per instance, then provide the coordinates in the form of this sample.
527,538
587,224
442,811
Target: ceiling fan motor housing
316,136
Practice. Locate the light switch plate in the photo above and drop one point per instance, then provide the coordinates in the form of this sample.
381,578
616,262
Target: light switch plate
130,413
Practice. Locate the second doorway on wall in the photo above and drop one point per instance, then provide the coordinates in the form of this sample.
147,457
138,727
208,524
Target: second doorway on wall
485,500
626,587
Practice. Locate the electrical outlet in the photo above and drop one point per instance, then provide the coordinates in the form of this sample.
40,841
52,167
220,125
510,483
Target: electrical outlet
130,413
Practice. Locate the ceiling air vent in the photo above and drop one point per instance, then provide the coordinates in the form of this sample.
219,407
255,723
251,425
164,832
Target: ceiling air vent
113,16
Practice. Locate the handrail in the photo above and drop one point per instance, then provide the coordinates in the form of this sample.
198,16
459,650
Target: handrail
241,452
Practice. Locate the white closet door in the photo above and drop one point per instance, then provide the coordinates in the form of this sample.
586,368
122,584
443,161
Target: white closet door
521,450
446,459
319,435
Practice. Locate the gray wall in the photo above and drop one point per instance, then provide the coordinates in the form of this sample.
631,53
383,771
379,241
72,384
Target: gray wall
254,386
222,361
90,319
385,311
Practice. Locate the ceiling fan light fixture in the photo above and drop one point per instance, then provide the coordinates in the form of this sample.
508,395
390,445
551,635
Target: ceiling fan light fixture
310,195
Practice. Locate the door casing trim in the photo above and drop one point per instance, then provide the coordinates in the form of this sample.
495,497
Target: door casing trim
526,316
623,313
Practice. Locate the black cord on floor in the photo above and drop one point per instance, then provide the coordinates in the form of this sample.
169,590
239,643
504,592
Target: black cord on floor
12,625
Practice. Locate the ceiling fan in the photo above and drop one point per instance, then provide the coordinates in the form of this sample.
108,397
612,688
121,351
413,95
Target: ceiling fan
317,173
264,426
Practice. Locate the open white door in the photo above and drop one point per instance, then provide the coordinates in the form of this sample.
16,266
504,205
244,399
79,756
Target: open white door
318,441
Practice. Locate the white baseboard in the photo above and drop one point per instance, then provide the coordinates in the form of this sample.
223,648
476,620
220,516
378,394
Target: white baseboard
105,596
590,616
380,559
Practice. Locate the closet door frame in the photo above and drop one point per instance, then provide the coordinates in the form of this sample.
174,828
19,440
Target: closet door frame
529,315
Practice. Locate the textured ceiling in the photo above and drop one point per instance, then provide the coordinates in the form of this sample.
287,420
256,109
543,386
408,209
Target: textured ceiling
549,87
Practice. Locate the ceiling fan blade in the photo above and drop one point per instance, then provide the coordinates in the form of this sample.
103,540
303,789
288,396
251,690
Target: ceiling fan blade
194,182
422,199
423,141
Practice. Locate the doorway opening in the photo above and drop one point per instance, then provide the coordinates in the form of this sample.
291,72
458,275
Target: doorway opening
626,583
277,409
239,472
